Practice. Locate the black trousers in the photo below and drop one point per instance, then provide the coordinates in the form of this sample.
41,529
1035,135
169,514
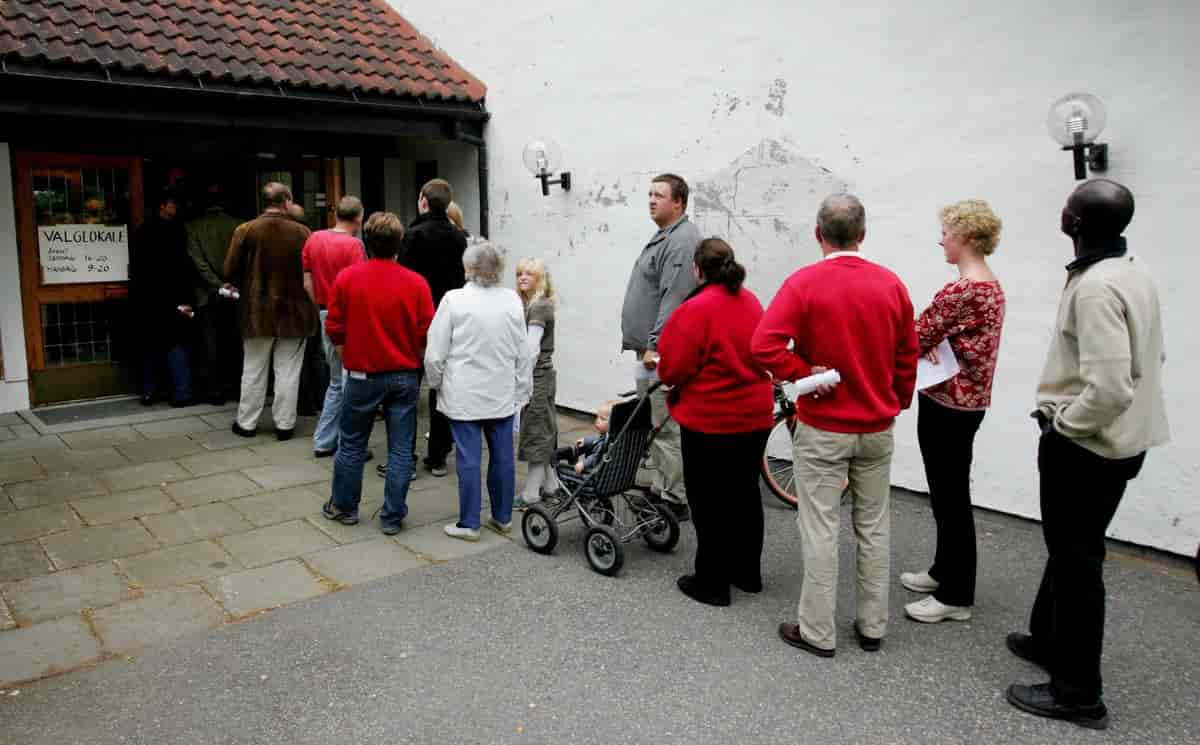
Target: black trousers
1080,492
222,345
721,473
440,441
947,440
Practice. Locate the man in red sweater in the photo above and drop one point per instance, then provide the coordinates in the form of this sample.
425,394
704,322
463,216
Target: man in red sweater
848,314
326,254
379,316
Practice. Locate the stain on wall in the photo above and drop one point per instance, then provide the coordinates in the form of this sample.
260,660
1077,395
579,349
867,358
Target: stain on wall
776,96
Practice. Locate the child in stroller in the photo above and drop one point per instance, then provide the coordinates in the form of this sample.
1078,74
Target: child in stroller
585,454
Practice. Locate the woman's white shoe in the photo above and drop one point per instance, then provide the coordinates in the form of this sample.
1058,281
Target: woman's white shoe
919,581
931,610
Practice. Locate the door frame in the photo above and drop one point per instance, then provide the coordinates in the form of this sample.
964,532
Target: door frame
33,293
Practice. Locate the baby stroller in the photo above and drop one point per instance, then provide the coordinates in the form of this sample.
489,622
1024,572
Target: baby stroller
606,500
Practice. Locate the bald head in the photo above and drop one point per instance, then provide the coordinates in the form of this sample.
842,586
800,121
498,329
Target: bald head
276,195
841,222
1100,208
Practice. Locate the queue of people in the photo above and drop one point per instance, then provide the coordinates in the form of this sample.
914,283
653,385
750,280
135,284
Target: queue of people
421,306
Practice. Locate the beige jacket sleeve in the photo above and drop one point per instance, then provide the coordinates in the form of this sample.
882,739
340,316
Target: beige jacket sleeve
1105,365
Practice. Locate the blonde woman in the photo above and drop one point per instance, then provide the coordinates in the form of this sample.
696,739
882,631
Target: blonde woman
538,421
969,312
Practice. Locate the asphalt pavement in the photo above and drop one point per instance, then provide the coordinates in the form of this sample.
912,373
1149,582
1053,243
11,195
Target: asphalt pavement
508,646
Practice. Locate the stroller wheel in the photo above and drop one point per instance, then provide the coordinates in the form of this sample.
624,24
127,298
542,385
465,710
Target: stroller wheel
603,550
662,531
539,529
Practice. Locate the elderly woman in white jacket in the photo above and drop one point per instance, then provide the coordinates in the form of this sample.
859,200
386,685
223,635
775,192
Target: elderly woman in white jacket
478,360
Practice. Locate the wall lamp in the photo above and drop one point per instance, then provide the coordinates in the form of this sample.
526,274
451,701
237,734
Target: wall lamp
1075,121
542,157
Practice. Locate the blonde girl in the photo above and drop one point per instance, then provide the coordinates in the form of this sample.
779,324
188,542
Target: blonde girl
539,420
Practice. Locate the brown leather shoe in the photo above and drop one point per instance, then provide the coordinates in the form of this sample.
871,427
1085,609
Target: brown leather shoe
790,633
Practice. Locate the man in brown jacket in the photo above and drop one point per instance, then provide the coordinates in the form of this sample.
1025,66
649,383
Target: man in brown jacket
277,316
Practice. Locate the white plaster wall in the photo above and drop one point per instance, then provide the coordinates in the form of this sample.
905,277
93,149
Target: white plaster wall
766,106
14,386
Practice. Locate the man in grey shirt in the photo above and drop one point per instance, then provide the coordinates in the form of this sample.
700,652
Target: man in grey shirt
661,279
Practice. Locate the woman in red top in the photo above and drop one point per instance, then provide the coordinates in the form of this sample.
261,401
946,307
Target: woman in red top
723,403
969,312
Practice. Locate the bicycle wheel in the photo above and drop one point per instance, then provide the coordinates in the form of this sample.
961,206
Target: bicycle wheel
777,470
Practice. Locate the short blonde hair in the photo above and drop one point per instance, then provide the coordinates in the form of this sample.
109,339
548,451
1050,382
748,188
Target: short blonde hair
454,212
483,263
974,222
543,287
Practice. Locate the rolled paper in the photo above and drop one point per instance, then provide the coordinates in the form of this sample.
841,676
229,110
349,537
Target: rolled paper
805,386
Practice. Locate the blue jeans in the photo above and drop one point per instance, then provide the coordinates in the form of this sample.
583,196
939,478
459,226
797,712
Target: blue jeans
501,474
326,435
178,359
396,392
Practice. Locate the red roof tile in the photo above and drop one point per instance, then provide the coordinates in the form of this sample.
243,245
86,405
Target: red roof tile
324,45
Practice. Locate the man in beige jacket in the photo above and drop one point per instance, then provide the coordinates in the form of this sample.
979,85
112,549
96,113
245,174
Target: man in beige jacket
1100,407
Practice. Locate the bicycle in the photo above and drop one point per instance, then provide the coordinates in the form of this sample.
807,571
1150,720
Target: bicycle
777,466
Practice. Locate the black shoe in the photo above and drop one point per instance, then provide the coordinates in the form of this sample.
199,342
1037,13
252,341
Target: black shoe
381,470
324,453
1022,646
747,585
790,633
244,432
150,399
868,643
679,510
1037,699
333,513
391,528
283,435
688,585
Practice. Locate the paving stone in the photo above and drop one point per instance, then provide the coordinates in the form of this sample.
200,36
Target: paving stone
43,598
161,616
430,506
24,431
143,474
178,564
22,561
6,620
168,448
219,421
7,420
124,505
45,649
55,490
21,469
431,542
7,434
224,439
21,448
280,506
289,453
266,545
186,526
6,504
363,562
85,461
285,475
223,461
216,488
266,587
100,543
36,522
173,427
366,530
91,439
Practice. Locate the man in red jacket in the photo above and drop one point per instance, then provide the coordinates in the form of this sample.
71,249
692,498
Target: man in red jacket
379,316
848,314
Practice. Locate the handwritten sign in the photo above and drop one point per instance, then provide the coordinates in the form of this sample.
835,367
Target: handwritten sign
83,253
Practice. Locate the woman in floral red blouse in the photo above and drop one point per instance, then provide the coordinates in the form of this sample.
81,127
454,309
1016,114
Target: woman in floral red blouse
969,312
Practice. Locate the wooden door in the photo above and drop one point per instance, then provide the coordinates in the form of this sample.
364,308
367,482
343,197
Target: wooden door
75,214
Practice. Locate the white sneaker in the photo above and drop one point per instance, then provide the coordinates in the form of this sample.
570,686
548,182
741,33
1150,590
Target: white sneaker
454,530
931,610
499,527
919,581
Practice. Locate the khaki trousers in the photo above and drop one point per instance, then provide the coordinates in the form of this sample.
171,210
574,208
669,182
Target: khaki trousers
664,471
288,358
824,461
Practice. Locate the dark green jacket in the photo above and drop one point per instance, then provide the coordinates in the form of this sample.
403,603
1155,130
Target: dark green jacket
208,238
